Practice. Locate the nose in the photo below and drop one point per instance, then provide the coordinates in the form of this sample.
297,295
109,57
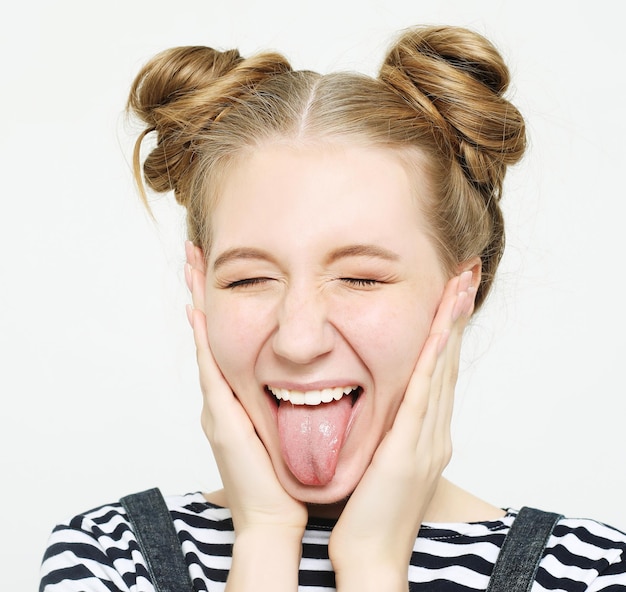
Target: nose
303,332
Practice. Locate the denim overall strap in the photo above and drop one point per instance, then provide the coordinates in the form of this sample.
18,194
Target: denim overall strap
518,561
158,541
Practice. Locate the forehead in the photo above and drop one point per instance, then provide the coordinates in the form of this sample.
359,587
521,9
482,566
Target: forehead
286,182
300,205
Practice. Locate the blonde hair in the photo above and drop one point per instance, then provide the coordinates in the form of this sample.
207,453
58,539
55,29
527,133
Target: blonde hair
439,94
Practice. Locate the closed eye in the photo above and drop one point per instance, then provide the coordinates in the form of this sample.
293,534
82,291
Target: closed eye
361,282
247,282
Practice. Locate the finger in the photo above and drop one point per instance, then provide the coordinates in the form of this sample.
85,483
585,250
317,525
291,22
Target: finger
200,337
194,260
451,356
428,362
433,400
206,363
463,286
443,398
414,406
188,269
443,317
462,312
454,319
198,281
211,378
217,395
189,311
430,392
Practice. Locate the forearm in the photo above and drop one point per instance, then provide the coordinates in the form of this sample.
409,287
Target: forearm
265,560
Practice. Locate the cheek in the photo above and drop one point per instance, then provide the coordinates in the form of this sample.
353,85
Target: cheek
398,350
387,335
397,336
236,335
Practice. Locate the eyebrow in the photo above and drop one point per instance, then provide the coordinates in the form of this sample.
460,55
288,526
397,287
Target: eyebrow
361,251
241,253
340,253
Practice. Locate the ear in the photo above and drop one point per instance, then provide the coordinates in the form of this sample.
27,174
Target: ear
475,266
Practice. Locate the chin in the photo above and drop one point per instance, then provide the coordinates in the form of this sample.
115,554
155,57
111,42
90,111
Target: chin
331,493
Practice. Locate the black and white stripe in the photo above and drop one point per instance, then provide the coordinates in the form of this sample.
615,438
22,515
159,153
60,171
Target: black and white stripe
97,552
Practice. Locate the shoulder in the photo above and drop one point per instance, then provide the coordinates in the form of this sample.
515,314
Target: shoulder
99,547
584,551
581,554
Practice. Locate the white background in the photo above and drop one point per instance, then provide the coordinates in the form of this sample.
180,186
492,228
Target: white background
98,379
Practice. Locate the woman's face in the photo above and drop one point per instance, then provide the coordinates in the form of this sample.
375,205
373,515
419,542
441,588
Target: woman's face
321,287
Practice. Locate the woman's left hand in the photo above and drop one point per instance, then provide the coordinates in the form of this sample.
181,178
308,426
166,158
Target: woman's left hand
372,542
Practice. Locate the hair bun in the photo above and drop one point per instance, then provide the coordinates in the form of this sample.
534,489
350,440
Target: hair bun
178,94
457,78
173,74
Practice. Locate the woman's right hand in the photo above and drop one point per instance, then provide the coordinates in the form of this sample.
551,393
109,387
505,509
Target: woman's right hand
268,522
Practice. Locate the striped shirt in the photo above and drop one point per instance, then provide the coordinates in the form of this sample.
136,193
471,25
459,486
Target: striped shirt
97,552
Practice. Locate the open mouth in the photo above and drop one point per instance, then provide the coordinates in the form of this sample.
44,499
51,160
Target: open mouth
315,397
312,428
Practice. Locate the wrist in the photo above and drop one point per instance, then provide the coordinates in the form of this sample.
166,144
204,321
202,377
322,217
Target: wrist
369,565
276,534
265,558
371,577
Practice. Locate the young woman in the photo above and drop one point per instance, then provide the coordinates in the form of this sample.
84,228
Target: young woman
343,230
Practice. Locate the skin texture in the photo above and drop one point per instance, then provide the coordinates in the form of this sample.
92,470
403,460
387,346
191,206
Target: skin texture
321,273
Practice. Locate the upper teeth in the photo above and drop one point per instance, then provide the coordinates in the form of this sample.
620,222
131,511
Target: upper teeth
311,397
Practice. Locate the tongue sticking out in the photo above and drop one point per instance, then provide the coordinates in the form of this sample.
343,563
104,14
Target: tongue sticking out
311,437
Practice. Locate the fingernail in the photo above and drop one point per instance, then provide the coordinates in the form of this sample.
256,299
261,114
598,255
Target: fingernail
471,299
189,311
